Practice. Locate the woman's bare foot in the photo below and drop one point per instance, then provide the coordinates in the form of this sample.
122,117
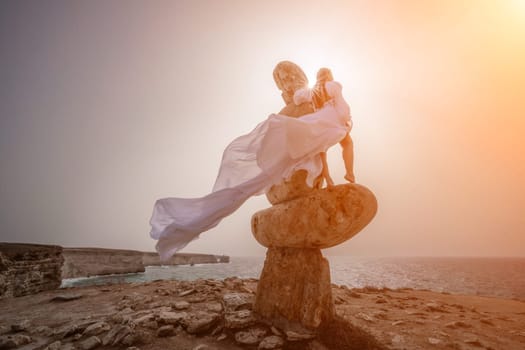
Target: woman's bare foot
329,181
350,178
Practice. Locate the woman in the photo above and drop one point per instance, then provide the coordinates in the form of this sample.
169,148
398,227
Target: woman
251,164
326,90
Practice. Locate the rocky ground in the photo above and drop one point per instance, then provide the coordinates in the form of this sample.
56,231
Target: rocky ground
211,314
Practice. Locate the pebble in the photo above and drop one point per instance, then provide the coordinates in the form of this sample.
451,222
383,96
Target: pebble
434,341
90,343
20,326
365,317
169,317
473,341
144,320
487,321
214,307
295,336
398,339
97,328
14,341
54,346
457,324
66,297
200,322
181,305
166,331
275,331
66,331
250,337
237,301
315,345
186,292
115,335
203,347
239,319
271,342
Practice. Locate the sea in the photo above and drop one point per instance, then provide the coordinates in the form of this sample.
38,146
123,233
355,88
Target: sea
492,277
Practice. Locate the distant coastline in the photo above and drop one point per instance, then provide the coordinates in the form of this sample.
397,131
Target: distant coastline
86,262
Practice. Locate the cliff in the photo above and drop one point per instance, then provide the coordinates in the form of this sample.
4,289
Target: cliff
152,259
29,268
85,262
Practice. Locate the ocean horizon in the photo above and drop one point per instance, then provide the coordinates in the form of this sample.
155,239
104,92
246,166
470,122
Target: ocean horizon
501,277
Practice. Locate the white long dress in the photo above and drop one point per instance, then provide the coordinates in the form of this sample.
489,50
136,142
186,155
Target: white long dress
250,165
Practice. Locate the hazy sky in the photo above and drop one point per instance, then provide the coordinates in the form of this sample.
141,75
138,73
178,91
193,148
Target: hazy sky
107,106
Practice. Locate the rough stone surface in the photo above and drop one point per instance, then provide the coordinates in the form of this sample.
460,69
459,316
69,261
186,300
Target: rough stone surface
295,288
251,336
239,319
169,317
200,322
97,328
90,343
292,188
14,341
29,268
323,219
271,342
485,318
296,336
237,301
166,331
181,305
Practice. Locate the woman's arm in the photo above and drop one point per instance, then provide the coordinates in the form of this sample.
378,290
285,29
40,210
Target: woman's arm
325,172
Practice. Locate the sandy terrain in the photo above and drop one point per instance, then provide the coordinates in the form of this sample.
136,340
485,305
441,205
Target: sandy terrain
209,314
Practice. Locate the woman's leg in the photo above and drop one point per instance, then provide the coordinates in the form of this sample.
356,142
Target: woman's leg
325,172
348,157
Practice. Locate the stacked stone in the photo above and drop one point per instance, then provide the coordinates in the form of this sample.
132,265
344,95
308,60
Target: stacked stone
29,268
294,289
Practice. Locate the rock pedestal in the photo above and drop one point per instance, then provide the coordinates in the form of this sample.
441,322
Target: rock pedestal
294,290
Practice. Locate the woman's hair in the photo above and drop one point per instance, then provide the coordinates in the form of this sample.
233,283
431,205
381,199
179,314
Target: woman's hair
319,95
293,70
324,75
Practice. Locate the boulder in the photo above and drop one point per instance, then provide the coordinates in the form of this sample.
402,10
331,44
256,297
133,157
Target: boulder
200,322
322,219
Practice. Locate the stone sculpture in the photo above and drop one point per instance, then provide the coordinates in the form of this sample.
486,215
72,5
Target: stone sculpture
294,289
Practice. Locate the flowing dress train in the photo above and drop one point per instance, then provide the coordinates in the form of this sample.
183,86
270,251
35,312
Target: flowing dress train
250,165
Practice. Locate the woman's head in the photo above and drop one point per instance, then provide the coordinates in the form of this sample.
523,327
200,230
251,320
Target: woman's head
289,77
324,74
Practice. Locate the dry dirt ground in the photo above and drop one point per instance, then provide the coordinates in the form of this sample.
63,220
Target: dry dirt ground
161,315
